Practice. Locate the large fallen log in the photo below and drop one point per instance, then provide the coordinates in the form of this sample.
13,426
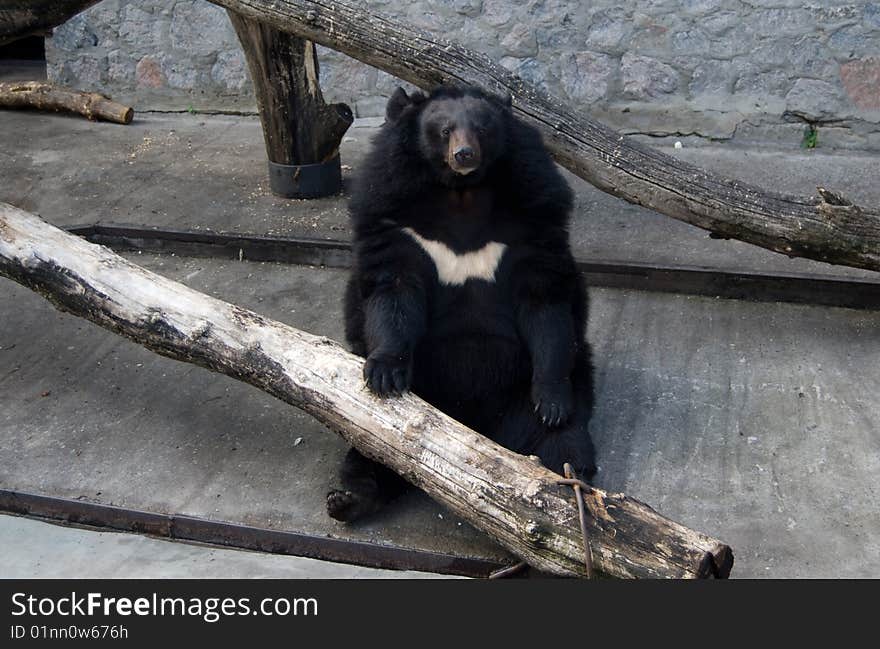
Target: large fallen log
46,96
509,496
825,227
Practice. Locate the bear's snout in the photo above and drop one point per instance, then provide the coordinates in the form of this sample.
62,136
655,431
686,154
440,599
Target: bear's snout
463,155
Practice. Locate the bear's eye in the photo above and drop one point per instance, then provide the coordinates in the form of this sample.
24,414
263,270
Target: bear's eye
445,132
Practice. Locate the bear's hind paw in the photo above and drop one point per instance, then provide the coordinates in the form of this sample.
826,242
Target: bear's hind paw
347,506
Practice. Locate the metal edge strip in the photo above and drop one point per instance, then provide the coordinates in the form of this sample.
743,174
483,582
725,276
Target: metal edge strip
822,290
234,535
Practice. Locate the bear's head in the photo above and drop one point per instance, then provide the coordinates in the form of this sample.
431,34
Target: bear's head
461,132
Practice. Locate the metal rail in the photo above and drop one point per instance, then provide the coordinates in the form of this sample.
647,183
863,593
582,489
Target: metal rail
823,290
190,528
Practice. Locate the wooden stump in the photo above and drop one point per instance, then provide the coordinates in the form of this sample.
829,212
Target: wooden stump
298,126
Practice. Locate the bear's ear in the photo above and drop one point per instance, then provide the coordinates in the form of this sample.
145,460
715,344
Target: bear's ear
399,102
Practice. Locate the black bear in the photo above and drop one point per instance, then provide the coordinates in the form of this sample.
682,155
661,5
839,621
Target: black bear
464,288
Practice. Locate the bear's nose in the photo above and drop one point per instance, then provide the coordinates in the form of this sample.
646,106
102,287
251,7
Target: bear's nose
464,155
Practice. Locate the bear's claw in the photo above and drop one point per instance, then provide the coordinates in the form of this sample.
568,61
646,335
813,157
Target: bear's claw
347,506
553,403
387,375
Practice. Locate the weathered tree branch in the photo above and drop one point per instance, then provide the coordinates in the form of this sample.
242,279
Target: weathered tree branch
46,96
510,497
796,226
19,18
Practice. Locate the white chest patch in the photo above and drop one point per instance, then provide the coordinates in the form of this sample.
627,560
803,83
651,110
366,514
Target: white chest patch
455,269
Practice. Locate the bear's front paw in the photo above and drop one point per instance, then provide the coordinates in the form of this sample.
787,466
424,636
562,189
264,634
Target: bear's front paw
387,374
553,402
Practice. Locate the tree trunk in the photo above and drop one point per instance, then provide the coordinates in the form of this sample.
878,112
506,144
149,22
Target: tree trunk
45,96
509,496
298,126
825,227
20,18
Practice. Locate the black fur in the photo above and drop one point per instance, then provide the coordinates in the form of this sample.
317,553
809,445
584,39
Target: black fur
507,358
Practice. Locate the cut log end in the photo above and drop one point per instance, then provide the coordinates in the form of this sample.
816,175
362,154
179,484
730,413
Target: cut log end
717,564
126,116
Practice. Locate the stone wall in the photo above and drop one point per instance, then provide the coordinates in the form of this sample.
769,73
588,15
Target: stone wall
716,69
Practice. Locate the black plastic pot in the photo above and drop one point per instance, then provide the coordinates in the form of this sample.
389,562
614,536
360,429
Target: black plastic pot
306,181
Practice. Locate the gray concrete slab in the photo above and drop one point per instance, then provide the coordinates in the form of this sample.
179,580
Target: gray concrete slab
209,172
756,423
38,550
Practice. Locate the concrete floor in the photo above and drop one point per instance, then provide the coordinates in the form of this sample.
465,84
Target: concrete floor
209,172
121,425
756,423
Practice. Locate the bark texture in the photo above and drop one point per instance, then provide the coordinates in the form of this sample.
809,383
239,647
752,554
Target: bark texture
20,18
298,126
